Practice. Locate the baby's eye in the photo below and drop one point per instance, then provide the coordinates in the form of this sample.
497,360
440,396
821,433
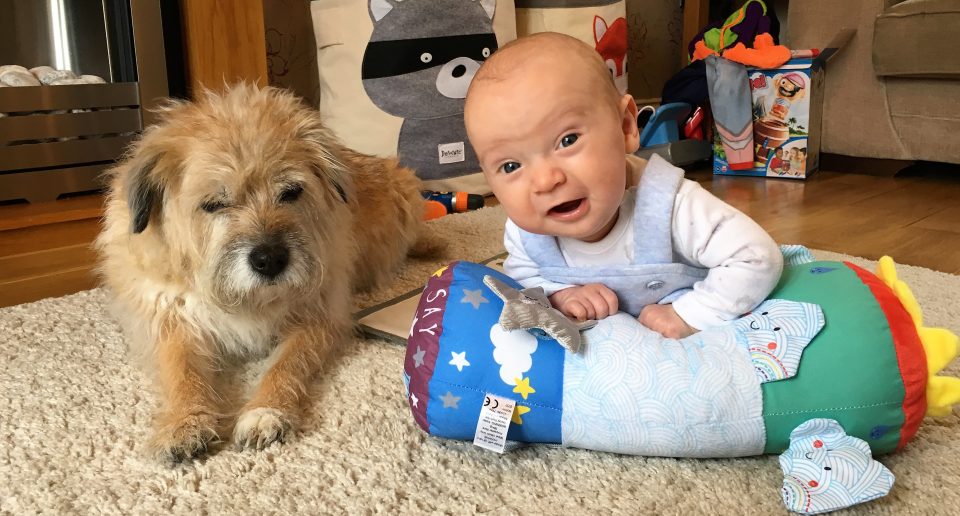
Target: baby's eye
510,167
569,140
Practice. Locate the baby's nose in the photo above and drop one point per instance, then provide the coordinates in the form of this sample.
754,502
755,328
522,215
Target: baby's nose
548,177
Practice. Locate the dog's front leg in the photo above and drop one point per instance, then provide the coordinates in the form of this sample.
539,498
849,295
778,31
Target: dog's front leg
188,422
275,407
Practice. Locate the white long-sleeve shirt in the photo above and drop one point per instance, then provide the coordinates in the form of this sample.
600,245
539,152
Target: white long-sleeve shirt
744,262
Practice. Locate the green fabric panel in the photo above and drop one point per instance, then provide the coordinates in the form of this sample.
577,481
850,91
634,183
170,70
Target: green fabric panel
711,38
849,372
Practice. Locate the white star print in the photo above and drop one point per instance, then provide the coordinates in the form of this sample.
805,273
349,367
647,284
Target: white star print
413,398
459,360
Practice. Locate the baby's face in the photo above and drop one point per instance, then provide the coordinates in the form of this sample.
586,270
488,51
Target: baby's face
552,149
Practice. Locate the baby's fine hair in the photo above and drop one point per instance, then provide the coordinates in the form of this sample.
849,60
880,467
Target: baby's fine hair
499,66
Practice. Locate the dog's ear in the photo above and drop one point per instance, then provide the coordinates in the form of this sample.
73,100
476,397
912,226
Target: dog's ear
325,151
339,189
332,172
144,192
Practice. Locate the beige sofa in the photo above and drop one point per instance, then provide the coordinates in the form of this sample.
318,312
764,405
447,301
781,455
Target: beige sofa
894,90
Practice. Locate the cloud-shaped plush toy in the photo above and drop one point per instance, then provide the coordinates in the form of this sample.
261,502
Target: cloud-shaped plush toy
825,469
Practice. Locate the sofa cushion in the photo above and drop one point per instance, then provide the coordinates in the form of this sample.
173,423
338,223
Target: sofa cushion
912,38
926,116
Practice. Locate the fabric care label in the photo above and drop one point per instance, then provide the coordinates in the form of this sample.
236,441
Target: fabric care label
494,423
451,152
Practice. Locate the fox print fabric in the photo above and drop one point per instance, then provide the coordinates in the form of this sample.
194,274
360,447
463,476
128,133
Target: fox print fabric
601,24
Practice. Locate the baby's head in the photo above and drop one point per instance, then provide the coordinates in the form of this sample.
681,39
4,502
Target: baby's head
779,152
552,133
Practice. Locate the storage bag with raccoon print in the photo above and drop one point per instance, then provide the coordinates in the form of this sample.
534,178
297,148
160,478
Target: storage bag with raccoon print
394,74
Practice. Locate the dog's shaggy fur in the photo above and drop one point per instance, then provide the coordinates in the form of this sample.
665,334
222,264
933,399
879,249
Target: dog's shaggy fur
238,226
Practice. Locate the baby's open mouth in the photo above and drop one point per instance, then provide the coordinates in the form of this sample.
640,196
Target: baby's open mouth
566,207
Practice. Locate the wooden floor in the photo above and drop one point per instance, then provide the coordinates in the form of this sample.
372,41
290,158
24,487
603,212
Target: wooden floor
913,216
45,248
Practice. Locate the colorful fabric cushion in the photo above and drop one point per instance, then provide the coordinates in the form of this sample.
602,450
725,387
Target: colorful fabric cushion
457,352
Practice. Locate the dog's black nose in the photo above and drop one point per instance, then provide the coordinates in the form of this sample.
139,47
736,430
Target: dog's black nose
269,260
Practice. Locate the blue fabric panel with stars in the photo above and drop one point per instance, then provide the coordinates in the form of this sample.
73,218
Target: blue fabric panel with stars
474,356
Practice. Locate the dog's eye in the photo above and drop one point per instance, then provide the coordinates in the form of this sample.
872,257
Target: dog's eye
212,206
291,193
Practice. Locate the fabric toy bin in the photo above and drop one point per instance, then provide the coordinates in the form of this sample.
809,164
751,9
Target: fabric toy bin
394,75
787,105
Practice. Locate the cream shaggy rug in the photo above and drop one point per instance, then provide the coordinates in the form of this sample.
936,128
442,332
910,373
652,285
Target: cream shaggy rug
74,414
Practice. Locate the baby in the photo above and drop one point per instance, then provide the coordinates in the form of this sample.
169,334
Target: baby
553,134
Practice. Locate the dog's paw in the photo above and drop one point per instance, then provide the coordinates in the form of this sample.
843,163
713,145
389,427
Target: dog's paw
260,427
185,439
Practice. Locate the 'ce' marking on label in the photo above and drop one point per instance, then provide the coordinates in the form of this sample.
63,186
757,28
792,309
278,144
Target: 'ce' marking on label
487,400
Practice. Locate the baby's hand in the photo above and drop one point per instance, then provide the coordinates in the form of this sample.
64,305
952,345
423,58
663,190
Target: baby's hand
664,320
590,301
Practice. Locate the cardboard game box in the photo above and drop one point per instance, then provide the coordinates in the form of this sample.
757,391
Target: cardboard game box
787,109
787,104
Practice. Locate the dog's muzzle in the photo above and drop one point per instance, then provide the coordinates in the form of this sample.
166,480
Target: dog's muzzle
269,260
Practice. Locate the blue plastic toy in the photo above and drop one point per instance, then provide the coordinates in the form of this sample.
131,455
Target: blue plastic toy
664,124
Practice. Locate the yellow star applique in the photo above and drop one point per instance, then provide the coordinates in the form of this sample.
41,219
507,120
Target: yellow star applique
517,412
440,271
523,387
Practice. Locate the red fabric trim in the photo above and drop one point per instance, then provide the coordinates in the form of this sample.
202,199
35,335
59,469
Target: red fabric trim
434,297
911,357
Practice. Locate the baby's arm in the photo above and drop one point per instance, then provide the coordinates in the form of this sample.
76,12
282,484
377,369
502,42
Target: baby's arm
591,301
744,262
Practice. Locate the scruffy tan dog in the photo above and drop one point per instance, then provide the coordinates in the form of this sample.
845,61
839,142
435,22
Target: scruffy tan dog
238,226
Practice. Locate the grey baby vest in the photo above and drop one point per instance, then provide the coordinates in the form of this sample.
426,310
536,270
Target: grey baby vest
653,276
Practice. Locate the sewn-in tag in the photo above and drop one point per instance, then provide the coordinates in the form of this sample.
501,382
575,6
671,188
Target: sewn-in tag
451,152
494,423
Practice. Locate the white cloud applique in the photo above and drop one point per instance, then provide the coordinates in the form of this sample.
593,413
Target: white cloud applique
513,350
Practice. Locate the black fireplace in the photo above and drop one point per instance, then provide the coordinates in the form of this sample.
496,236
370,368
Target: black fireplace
56,138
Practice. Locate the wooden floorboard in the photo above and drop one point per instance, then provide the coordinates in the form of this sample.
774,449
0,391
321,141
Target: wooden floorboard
913,217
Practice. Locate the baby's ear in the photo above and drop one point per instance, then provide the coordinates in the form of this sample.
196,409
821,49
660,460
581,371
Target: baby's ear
628,121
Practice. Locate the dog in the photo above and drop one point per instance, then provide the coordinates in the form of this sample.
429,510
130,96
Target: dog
238,226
